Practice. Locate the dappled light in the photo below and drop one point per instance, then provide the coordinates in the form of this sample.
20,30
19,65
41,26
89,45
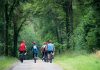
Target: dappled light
50,31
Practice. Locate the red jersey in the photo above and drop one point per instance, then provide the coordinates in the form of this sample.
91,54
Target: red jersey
22,47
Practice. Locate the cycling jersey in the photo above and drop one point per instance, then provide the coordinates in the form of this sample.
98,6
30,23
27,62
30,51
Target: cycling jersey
50,47
22,47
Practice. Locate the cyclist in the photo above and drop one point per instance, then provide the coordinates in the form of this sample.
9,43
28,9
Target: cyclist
22,50
35,51
50,49
44,51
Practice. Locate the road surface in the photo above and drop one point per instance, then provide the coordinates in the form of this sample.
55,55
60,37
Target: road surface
30,65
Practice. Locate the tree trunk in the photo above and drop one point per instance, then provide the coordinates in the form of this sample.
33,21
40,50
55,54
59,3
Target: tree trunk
16,34
60,33
15,39
57,30
69,20
6,29
71,16
96,6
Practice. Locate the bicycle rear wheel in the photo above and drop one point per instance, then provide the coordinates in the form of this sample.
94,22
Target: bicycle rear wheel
34,59
21,57
51,57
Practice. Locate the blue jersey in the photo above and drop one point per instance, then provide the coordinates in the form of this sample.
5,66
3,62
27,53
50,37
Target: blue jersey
35,49
50,47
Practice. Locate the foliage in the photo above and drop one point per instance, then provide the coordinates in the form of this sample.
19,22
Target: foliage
70,24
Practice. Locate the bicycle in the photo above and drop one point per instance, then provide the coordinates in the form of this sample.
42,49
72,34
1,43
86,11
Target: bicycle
21,57
35,57
45,57
50,57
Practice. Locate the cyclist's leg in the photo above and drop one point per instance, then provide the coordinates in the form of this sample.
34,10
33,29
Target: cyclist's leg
49,55
45,56
21,56
33,55
42,54
24,55
36,55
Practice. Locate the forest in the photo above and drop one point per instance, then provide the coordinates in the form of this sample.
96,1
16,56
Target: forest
72,25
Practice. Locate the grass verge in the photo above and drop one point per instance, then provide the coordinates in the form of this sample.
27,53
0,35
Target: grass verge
6,62
78,62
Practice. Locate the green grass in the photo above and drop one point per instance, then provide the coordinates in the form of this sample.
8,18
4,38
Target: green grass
6,62
78,62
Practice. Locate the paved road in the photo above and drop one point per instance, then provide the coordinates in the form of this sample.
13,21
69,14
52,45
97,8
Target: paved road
30,65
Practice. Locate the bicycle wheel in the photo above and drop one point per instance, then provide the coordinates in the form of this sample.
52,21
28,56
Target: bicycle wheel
21,57
21,60
34,59
51,57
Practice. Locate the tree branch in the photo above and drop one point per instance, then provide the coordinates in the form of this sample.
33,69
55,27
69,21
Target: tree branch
21,25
